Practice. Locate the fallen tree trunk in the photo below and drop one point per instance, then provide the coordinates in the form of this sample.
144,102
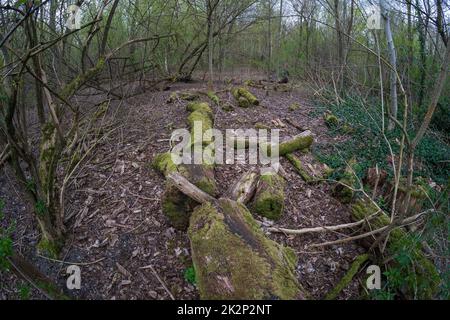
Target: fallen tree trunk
245,188
269,196
299,168
233,259
244,97
176,205
301,141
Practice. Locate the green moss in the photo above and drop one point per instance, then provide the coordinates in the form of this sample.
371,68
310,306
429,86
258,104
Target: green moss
260,125
348,277
208,185
176,207
346,128
298,143
235,93
201,107
421,278
330,119
49,248
243,102
294,107
163,163
202,117
214,98
299,167
234,260
248,95
207,124
189,96
227,107
269,197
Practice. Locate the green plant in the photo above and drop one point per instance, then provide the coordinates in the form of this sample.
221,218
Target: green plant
367,144
189,275
24,292
41,208
6,243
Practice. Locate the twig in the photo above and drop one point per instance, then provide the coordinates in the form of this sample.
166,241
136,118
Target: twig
159,279
72,263
322,229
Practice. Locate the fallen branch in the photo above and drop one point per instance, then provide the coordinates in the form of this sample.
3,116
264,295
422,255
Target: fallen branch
182,184
245,188
159,279
299,167
367,234
321,229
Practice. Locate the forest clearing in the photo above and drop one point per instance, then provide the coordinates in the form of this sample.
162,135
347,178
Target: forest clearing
347,102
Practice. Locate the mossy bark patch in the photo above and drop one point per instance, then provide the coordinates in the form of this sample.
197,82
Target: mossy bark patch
244,97
175,205
233,258
201,107
299,167
348,277
344,190
269,197
330,119
299,142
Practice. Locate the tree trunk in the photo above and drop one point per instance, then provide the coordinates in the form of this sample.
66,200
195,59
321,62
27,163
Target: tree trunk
393,109
233,259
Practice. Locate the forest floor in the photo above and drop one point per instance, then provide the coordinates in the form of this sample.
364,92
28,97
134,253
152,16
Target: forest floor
116,229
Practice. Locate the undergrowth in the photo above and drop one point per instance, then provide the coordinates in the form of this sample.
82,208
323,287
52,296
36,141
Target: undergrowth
6,243
358,133
366,142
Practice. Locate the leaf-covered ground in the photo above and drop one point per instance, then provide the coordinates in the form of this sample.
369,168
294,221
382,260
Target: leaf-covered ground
116,229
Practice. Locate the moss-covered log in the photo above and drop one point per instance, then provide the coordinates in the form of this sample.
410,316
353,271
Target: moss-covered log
233,259
421,278
299,168
244,189
348,277
200,106
301,141
269,197
330,119
200,113
175,205
344,190
244,97
213,97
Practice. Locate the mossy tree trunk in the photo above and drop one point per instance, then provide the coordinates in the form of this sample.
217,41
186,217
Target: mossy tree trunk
269,197
175,205
233,259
